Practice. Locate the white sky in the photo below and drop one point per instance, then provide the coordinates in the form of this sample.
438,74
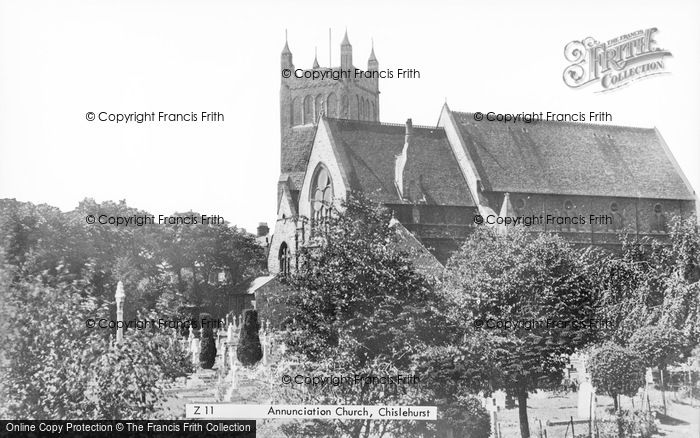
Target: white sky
59,60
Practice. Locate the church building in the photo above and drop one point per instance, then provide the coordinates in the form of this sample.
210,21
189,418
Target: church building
438,179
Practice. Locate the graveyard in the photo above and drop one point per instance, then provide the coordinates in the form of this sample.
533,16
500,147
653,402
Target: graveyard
569,412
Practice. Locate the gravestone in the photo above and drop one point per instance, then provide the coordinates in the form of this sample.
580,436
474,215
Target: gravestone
500,398
586,399
649,377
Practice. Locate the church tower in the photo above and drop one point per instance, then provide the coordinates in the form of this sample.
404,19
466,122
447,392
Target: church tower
345,92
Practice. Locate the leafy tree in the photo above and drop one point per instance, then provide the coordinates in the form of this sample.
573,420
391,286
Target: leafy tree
57,366
615,371
151,260
522,280
358,307
658,346
650,283
453,374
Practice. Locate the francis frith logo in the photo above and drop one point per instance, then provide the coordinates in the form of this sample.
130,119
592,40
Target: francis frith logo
614,63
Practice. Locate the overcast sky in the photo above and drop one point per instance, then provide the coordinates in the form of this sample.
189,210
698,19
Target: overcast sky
59,60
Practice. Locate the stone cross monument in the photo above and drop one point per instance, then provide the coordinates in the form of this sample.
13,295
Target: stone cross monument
119,297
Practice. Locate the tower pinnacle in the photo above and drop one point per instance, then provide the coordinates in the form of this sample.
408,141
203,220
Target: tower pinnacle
345,53
286,57
372,63
316,65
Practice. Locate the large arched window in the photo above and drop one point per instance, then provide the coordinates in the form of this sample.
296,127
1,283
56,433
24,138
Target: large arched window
321,195
374,112
308,109
284,258
332,106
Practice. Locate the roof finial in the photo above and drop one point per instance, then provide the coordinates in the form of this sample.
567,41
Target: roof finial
316,65
345,38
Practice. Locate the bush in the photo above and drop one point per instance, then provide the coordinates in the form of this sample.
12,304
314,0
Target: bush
468,418
249,349
628,424
616,370
55,367
207,346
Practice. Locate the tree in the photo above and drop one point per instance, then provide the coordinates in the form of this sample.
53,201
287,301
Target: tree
249,350
207,352
616,371
58,365
524,298
658,346
357,307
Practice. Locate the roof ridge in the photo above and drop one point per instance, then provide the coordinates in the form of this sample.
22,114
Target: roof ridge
602,125
371,122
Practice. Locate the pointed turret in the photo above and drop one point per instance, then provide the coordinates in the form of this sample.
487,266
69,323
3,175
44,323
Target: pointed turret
286,57
372,63
316,65
345,53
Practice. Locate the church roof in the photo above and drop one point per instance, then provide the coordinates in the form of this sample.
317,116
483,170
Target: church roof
369,152
424,261
572,158
298,141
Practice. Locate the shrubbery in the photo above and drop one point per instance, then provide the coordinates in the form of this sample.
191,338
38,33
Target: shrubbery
55,367
249,349
468,418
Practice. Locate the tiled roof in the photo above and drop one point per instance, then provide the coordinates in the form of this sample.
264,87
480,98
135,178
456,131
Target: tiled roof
424,261
370,150
572,158
296,147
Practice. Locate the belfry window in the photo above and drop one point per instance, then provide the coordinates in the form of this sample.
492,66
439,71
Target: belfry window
321,195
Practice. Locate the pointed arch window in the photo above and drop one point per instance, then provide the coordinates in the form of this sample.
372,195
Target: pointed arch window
321,195
284,258
332,106
308,110
296,112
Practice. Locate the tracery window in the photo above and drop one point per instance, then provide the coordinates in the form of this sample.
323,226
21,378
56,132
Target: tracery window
321,196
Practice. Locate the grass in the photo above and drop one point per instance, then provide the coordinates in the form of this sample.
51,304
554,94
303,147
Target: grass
549,406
